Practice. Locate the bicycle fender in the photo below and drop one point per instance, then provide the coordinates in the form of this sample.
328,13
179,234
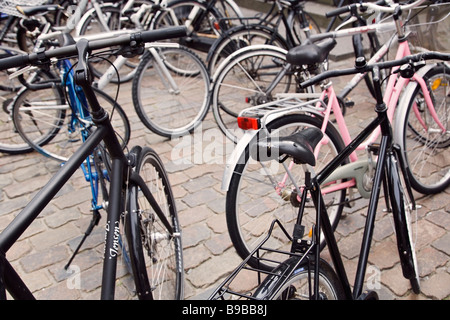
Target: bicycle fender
238,154
235,54
231,31
404,99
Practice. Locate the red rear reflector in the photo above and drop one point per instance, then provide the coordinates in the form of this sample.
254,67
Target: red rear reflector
248,123
216,26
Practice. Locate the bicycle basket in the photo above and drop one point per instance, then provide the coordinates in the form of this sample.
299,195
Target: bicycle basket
428,28
9,6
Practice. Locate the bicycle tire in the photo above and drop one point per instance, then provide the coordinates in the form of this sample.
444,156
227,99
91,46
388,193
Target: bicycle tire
300,283
166,110
148,238
401,210
425,146
10,141
239,37
55,132
253,201
242,83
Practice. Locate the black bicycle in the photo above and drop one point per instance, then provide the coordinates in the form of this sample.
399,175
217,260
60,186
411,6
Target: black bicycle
304,274
140,195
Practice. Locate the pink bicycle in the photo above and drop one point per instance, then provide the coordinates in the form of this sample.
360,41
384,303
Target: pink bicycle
261,189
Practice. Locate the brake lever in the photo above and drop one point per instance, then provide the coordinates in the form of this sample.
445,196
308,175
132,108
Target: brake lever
82,74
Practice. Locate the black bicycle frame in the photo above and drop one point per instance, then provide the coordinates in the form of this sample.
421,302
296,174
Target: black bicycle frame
120,172
323,221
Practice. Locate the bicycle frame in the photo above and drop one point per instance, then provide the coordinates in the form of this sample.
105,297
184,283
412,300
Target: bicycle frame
121,173
392,94
323,220
391,97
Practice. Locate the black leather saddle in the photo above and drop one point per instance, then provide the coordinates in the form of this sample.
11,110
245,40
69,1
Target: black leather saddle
310,53
300,146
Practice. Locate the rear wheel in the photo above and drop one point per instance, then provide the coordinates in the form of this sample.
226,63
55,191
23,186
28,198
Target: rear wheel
261,191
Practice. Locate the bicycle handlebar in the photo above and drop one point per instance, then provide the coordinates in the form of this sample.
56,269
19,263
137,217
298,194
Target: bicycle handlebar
67,51
380,65
374,6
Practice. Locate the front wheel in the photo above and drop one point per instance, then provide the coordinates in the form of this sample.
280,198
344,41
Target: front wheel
48,122
424,143
154,238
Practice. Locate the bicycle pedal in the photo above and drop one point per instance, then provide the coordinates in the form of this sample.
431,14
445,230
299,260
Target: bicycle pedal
349,103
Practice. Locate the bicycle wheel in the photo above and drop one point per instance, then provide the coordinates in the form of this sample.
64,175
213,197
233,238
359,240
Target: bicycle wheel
156,253
300,285
10,141
244,82
45,120
261,191
200,19
424,143
403,215
240,37
171,91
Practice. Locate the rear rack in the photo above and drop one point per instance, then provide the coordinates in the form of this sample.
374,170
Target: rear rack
286,103
228,289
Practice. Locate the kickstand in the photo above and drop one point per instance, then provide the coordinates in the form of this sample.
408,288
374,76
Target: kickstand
94,221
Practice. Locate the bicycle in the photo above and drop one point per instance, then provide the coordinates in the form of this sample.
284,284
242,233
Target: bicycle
297,23
52,115
202,18
254,78
195,15
150,231
165,69
245,180
303,273
168,68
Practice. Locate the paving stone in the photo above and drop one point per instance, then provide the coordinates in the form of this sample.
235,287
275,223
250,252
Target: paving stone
43,259
437,286
195,175
443,244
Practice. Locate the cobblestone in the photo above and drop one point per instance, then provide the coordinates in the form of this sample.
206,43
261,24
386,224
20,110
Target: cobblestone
46,246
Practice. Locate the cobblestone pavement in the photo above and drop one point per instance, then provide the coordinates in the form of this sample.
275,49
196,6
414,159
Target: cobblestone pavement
43,250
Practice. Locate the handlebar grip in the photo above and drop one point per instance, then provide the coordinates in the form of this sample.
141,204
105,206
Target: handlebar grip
164,33
14,61
338,11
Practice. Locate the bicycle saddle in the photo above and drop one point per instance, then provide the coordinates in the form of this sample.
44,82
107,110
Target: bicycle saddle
300,146
310,53
31,11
